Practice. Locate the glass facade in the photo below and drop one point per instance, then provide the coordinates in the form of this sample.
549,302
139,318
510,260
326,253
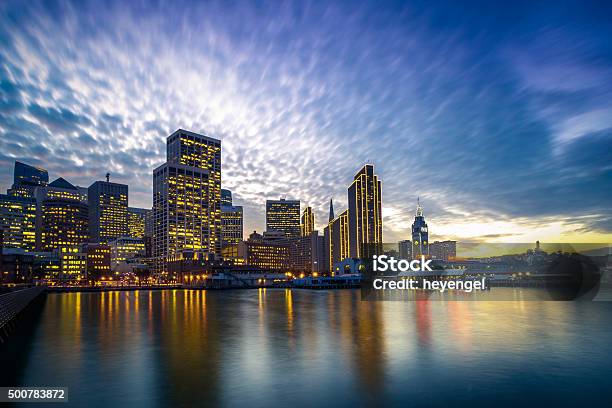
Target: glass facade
187,197
283,215
365,210
108,211
18,222
308,222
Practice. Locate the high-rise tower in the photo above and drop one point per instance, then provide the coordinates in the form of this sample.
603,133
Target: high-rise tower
365,213
108,211
308,222
187,197
283,215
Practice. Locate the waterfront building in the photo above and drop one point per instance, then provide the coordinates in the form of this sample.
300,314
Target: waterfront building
62,216
443,250
16,265
18,222
26,178
136,221
73,264
405,249
108,211
226,197
187,197
98,261
47,266
191,266
365,211
308,222
420,234
283,215
124,248
269,251
231,225
306,254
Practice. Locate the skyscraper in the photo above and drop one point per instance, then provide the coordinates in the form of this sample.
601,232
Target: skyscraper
226,197
26,178
337,239
108,211
365,210
231,220
420,234
18,222
62,217
308,222
187,197
136,222
283,215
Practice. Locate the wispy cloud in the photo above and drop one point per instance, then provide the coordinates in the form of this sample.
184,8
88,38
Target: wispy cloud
487,116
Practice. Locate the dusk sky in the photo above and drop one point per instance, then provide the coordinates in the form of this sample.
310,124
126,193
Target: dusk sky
498,115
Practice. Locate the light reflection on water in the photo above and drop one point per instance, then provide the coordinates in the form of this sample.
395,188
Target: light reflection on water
271,347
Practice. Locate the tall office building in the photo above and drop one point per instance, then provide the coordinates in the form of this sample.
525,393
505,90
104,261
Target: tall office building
231,220
365,210
136,221
187,197
283,215
18,222
420,234
108,211
337,240
308,222
98,261
26,178
226,197
62,217
231,225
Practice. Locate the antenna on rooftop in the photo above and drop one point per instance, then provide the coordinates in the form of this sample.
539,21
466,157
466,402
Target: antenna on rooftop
107,177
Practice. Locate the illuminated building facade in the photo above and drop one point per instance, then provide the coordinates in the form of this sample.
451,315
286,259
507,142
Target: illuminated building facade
231,221
420,234
73,264
62,216
98,261
337,240
231,225
136,221
124,248
365,210
187,197
308,222
108,211
268,253
18,222
26,178
283,215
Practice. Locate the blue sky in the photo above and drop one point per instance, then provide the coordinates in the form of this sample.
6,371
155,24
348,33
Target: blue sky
499,116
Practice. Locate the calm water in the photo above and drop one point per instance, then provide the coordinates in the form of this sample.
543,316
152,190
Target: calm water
262,348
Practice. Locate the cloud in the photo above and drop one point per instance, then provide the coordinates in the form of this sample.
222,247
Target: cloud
462,107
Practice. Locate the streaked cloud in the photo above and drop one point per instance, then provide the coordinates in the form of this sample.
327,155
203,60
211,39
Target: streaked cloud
498,119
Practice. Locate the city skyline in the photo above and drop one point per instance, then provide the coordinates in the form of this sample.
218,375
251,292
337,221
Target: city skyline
517,151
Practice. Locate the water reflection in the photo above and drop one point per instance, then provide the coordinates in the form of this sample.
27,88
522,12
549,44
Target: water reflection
275,347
